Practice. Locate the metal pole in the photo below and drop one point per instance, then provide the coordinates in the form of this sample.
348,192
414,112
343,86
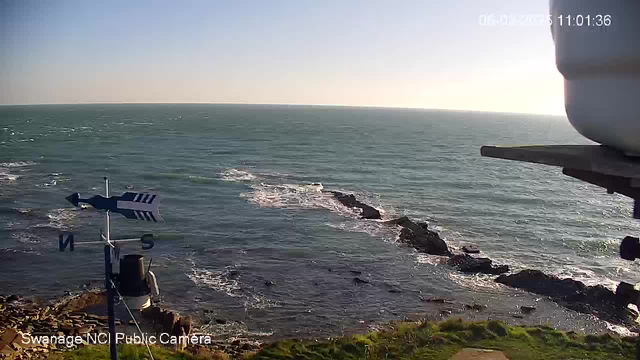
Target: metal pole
112,321
113,346
107,222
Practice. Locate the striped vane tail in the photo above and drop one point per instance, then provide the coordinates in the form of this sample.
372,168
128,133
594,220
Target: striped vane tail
140,206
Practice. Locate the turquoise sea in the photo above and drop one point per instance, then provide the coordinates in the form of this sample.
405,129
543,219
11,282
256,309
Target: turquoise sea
241,199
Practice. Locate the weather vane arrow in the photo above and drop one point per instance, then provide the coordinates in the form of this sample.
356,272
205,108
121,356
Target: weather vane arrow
133,205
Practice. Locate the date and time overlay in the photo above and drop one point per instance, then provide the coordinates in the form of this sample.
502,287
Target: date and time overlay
531,20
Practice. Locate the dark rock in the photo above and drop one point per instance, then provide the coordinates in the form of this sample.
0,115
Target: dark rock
220,321
470,249
357,280
469,264
527,309
575,295
67,329
350,201
269,283
436,300
12,298
235,342
355,272
186,324
83,330
421,239
7,337
517,316
475,307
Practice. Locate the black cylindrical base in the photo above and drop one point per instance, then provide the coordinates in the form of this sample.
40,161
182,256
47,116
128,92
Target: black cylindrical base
132,276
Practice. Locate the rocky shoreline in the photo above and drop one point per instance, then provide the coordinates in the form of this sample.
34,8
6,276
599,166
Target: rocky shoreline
71,316
572,294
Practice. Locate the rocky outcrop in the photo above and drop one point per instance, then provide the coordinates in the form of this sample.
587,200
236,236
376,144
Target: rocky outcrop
470,249
420,237
574,295
168,321
350,201
469,264
20,316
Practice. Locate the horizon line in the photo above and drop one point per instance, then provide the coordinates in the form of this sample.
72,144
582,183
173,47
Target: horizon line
282,104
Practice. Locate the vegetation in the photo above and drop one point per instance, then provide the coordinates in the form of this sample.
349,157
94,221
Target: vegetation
133,352
421,341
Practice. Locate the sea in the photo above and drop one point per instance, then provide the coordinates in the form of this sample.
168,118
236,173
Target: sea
251,245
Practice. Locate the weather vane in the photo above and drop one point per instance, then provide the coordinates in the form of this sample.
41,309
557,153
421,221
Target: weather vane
134,284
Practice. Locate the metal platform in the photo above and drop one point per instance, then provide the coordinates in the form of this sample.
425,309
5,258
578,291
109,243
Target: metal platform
595,164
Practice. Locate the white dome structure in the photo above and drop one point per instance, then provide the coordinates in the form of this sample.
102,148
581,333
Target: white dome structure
597,47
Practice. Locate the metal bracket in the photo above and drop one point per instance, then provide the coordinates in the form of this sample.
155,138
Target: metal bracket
612,183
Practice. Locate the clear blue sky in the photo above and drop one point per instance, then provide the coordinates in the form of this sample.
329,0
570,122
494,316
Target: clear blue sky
426,54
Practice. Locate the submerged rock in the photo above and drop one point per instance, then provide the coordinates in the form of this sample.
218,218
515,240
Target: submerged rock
527,309
470,249
575,295
469,264
350,201
357,280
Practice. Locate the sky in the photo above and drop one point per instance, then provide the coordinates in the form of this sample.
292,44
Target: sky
417,54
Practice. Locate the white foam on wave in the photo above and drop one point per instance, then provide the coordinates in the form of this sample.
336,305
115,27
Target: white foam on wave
588,277
225,281
422,258
17,164
258,301
6,167
26,238
216,280
60,218
371,227
6,176
236,175
620,330
296,196
475,281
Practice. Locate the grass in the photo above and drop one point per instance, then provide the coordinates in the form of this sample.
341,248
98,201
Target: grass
133,352
443,340
438,341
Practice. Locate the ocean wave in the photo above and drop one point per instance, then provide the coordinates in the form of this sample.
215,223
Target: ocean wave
482,282
17,164
6,176
259,302
295,196
7,168
61,218
430,259
236,175
225,281
29,251
217,280
373,228
196,179
620,330
26,238
588,277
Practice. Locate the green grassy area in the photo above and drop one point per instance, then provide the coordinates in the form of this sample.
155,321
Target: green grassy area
423,341
133,352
